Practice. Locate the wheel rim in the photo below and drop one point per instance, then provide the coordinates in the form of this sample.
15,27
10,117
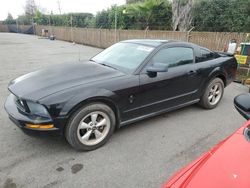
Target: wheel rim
215,94
93,128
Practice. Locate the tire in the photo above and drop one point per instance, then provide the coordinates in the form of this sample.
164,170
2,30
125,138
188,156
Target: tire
212,94
90,127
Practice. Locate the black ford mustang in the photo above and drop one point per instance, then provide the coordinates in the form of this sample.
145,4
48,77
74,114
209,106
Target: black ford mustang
127,82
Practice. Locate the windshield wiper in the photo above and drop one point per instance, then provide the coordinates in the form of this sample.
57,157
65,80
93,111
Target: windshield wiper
92,60
108,66
103,64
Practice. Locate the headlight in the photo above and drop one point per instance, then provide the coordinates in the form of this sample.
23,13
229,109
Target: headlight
37,109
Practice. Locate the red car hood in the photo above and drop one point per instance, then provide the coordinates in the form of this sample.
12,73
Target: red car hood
226,165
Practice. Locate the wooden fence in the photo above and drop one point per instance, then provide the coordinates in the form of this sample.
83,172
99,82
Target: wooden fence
104,37
4,28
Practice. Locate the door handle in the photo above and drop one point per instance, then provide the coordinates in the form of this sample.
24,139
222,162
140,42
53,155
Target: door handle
192,72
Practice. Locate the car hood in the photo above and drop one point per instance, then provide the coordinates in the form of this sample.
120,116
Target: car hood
39,84
226,165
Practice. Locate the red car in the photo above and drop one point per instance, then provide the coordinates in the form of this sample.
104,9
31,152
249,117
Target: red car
226,165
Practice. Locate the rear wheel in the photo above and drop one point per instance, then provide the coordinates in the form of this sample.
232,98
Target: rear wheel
213,94
90,127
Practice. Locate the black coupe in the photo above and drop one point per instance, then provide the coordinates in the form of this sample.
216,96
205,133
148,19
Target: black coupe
127,82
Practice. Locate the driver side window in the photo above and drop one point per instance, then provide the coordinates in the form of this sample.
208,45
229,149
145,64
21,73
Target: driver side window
174,56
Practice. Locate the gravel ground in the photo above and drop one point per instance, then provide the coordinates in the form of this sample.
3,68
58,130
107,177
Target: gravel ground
143,154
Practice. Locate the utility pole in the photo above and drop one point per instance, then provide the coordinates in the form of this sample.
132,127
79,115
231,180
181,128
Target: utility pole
71,25
17,26
49,25
50,17
33,25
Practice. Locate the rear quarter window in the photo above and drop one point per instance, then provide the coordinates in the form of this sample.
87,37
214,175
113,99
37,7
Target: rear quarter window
206,55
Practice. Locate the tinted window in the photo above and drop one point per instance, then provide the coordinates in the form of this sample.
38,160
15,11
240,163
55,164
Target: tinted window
124,56
205,55
174,56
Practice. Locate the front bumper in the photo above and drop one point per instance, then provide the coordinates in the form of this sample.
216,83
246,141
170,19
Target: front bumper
21,119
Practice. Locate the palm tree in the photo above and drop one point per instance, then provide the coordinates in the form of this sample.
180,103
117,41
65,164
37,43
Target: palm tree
146,10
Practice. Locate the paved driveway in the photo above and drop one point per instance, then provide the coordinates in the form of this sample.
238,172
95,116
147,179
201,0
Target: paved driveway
143,154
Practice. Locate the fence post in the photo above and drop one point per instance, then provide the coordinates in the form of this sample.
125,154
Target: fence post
146,32
71,24
17,26
104,37
188,36
221,37
100,38
119,35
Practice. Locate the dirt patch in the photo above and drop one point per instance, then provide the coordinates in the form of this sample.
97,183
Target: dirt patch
9,183
76,168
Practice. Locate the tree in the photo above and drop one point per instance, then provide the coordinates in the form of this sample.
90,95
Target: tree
23,20
30,8
78,19
9,19
222,15
152,14
102,20
182,17
40,18
106,18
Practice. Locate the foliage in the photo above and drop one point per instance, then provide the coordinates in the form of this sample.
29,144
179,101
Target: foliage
222,15
40,18
155,14
106,18
133,1
206,15
76,19
9,20
24,20
102,19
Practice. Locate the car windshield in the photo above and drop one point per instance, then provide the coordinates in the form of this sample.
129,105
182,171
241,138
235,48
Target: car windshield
123,56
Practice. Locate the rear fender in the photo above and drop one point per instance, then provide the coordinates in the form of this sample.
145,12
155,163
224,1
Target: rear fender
216,73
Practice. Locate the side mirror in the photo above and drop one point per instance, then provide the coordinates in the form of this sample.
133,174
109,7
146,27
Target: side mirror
242,104
157,67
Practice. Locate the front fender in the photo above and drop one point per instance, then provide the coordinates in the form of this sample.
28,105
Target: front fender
80,98
61,103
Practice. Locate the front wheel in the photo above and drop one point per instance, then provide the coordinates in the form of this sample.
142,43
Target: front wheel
213,94
90,127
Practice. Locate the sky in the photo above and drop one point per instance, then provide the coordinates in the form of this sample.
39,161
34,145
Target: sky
16,7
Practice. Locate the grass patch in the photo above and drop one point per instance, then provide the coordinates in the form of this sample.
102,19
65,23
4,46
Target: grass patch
242,73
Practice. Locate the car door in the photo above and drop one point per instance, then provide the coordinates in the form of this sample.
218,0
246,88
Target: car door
168,89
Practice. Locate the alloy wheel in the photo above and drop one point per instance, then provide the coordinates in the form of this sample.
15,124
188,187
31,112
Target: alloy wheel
215,94
93,128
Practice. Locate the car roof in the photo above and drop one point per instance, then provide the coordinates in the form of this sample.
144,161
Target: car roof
148,42
156,42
